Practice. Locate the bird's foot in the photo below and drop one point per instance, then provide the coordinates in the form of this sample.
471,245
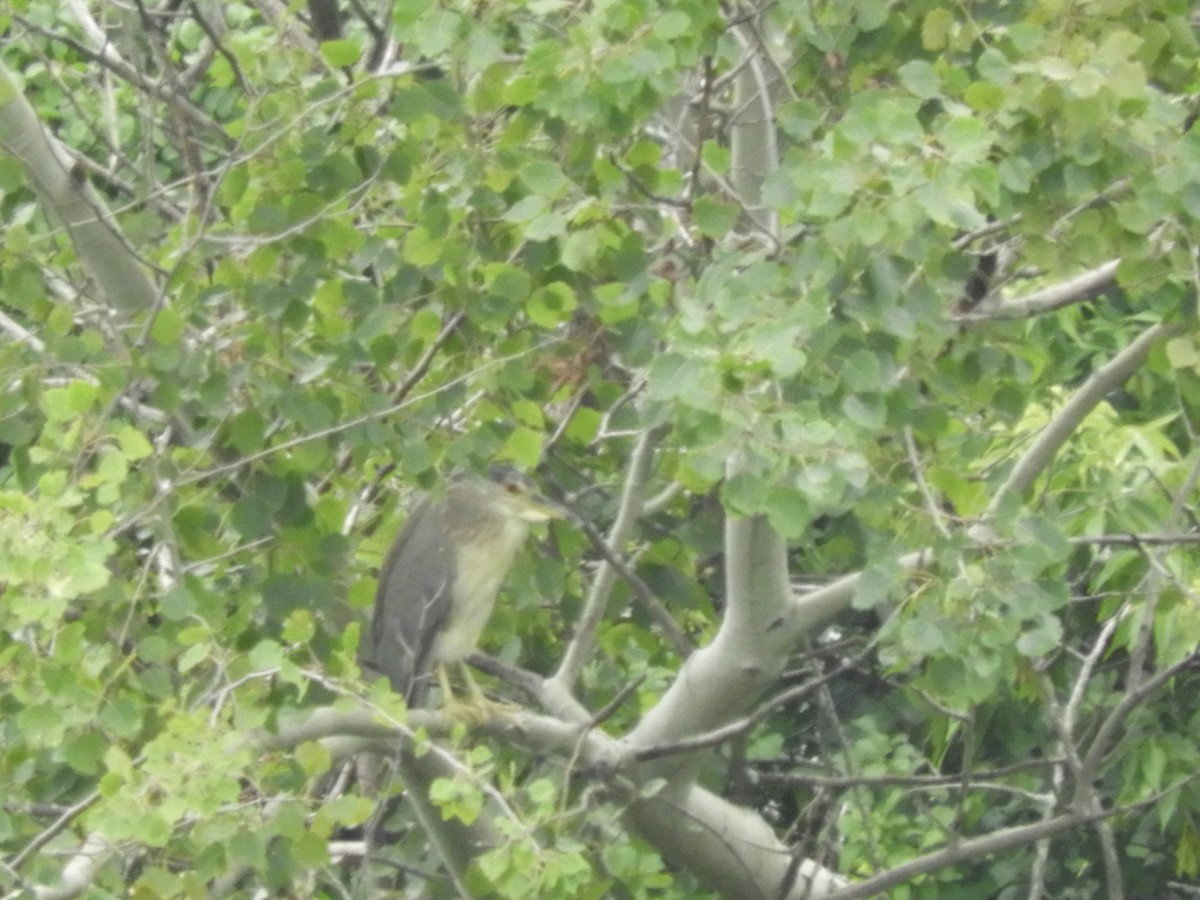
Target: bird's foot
477,710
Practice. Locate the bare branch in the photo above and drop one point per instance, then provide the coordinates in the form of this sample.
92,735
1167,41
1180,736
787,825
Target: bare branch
1136,540
1076,290
110,60
654,607
931,503
973,848
579,651
1107,733
1104,380
98,241
727,732
69,815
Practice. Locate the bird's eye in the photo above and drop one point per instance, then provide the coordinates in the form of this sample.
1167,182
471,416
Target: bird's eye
512,487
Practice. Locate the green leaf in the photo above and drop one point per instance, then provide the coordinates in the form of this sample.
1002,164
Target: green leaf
67,403
924,636
509,282
983,96
524,447
85,753
299,627
584,425
528,413
714,218
551,305
1045,637
547,225
865,411
676,377
936,28
966,139
133,443
716,157
122,717
580,249
421,248
1183,353
878,583
673,24
266,655
313,758
920,79
341,53
544,178
457,799
788,512
168,327
779,347
247,431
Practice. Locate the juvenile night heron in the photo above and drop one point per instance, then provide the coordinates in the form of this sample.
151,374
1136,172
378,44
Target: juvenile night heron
440,579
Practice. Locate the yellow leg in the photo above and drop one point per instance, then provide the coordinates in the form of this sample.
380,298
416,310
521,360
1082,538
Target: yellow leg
476,708
478,698
443,678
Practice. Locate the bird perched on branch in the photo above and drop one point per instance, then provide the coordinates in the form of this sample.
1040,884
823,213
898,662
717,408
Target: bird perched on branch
439,582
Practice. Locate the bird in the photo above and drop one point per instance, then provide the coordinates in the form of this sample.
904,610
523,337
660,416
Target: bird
440,579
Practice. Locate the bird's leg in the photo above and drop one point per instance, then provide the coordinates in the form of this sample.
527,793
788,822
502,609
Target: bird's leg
443,677
467,710
477,695
475,709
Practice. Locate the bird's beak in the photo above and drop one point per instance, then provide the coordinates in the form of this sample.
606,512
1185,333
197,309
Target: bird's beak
539,509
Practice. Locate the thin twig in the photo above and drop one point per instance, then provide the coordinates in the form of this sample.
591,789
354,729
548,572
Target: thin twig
662,617
982,779
584,640
1135,540
931,504
53,830
300,440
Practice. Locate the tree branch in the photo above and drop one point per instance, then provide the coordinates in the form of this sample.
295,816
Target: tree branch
1104,380
1107,734
583,643
731,849
719,682
1076,290
963,851
654,607
93,231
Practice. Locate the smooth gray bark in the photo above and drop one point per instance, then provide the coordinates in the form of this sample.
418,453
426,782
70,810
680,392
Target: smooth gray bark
104,255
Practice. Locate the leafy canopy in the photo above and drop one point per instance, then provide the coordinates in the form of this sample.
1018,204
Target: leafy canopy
538,232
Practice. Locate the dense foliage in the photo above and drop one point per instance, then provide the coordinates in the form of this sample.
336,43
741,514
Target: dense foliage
906,289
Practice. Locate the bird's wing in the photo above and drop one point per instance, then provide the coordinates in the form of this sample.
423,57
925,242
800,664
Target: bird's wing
413,602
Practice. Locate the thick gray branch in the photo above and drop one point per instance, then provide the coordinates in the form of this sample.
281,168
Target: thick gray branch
93,231
732,850
723,680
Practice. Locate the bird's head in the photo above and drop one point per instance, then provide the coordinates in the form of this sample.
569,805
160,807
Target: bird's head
509,494
518,496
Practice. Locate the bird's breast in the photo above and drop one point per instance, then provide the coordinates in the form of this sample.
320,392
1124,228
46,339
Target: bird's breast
477,581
